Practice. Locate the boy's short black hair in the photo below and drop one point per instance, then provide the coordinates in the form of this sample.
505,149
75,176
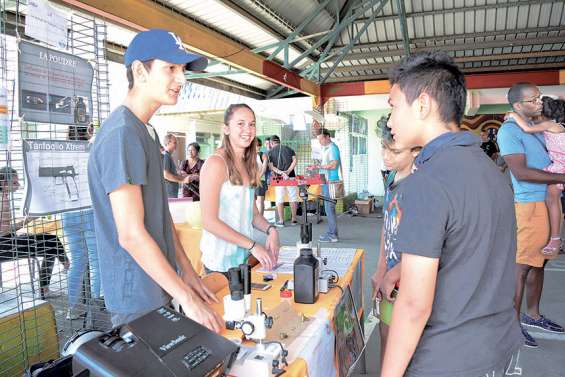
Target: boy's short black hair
325,132
516,92
129,73
436,74
553,109
276,139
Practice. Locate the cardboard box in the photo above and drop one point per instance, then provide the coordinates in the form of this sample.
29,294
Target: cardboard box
364,206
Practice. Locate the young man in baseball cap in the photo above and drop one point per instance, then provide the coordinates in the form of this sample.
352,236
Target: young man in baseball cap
139,251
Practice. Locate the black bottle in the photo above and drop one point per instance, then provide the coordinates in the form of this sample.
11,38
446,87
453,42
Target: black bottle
306,273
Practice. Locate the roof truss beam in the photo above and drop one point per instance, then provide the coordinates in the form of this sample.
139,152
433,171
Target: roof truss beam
492,68
514,42
440,42
366,5
403,26
496,5
465,59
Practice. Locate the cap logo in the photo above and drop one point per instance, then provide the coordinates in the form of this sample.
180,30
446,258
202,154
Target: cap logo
177,41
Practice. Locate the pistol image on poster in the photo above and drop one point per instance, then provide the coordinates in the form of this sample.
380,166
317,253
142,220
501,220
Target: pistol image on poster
61,174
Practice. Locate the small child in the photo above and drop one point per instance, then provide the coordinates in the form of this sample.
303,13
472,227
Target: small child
551,124
400,162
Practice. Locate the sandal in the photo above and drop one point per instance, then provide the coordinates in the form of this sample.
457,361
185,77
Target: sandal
552,248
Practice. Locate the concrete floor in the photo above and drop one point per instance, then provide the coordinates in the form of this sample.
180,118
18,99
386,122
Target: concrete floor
364,232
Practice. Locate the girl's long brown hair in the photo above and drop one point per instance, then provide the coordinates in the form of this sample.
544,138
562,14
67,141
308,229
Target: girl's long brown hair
249,156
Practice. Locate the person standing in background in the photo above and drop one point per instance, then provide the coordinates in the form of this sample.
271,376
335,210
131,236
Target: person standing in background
330,167
78,229
282,161
172,179
527,158
191,167
261,191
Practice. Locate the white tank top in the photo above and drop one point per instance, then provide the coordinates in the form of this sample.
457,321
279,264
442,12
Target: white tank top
236,210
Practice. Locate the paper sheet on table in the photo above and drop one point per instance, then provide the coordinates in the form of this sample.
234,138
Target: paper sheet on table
338,259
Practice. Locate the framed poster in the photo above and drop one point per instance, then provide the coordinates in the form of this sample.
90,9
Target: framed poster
55,87
56,173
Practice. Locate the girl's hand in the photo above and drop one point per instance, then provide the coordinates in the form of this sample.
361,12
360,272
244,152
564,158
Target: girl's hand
264,257
273,244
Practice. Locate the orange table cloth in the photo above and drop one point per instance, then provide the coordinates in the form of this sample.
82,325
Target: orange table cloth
190,239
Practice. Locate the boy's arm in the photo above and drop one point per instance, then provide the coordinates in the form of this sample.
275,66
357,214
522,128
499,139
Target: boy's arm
412,309
292,165
264,164
128,213
379,274
173,177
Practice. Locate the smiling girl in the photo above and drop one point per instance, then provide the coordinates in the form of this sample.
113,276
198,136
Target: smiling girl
229,214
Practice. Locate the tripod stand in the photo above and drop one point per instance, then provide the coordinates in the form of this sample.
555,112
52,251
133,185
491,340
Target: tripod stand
306,227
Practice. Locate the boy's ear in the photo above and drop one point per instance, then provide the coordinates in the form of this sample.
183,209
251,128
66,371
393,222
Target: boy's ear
424,105
139,71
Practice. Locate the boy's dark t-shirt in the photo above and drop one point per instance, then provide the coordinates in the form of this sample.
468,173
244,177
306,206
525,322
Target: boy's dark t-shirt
125,153
281,157
459,208
390,221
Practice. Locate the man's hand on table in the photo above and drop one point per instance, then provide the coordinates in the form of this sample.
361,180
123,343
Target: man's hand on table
195,283
197,310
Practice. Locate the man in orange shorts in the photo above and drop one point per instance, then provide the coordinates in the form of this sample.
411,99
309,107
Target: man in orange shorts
526,156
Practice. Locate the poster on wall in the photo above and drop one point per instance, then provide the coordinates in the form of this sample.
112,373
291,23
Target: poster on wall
56,173
55,87
46,24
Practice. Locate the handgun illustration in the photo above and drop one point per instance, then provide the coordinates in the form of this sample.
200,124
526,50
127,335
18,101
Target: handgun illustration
61,174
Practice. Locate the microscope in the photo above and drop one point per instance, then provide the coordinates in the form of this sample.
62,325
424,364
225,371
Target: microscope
265,358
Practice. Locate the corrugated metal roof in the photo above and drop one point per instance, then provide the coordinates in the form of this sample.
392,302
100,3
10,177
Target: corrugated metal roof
482,35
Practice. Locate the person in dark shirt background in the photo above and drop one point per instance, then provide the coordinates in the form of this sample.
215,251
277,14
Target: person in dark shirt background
488,145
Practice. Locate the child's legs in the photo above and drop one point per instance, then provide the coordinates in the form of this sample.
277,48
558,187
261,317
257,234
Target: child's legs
553,203
383,328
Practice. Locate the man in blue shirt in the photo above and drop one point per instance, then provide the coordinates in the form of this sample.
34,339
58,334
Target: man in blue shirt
526,156
331,163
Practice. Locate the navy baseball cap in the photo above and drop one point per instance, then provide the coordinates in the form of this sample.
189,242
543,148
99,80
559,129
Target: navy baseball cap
163,45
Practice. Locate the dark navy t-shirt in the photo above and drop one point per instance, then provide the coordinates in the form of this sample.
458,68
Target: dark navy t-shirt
458,207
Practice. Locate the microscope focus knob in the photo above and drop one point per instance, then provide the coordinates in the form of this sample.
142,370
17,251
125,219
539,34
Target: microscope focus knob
247,328
268,322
